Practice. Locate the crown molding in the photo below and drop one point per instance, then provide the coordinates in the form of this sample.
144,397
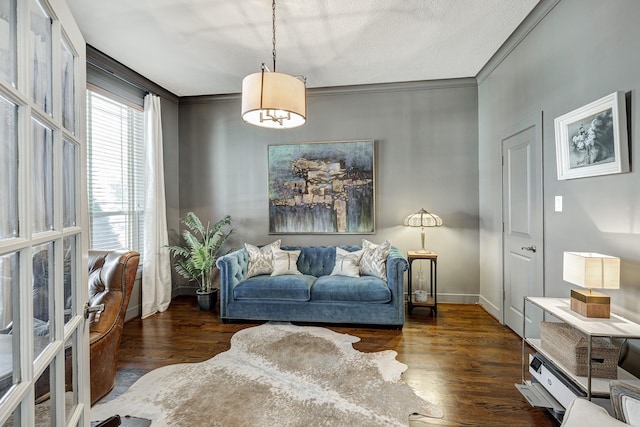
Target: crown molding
351,90
538,13
106,63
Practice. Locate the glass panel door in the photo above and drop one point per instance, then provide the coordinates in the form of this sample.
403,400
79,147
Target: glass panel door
44,338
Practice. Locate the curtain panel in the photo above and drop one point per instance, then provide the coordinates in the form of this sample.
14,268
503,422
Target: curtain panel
156,268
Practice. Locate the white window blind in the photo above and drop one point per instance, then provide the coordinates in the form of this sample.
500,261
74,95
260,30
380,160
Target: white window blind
115,173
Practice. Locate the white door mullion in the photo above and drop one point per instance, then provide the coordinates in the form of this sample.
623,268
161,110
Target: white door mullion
25,331
56,53
57,181
58,389
24,357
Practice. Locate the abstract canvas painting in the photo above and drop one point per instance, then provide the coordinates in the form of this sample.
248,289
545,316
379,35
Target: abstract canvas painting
322,187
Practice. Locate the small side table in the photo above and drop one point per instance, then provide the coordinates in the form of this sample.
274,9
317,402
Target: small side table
432,299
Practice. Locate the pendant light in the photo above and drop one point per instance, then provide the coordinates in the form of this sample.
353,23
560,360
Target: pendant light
274,100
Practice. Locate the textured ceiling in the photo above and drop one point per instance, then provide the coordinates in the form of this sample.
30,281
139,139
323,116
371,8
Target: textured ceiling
206,47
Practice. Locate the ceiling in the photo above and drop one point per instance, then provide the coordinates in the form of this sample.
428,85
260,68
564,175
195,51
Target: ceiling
206,47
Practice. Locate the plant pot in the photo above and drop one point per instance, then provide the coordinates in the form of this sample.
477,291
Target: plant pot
207,300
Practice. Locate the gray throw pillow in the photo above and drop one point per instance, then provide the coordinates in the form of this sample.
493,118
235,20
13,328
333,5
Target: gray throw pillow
374,259
260,259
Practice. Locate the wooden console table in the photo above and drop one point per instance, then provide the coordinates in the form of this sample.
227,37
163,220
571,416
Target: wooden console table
432,298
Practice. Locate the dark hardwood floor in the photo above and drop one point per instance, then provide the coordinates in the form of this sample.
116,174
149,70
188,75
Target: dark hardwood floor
463,360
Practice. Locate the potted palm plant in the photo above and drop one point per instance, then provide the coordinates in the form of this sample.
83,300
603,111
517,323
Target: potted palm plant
196,257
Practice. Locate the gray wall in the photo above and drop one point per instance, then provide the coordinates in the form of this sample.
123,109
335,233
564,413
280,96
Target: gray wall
426,156
581,51
170,144
171,166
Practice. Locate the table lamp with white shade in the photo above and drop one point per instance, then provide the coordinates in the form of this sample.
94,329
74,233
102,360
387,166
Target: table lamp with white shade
423,219
591,271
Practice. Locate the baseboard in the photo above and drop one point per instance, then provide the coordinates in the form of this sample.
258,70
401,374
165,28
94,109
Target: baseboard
135,300
458,298
453,298
491,308
133,312
183,290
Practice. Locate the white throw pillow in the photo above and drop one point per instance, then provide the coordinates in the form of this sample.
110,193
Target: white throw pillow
285,262
581,412
374,259
260,259
631,409
347,263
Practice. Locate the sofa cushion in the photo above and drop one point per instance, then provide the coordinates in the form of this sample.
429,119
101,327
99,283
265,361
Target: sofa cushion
374,259
260,259
282,288
367,289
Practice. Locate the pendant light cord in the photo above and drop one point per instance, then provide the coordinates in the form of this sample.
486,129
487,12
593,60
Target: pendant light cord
273,40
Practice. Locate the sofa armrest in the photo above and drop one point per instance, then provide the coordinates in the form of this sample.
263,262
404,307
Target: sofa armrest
233,270
396,266
625,399
111,278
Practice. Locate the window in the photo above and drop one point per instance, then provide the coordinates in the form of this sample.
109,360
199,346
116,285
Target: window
115,173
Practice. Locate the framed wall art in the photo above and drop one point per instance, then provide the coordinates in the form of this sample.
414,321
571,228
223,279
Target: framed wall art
322,187
592,140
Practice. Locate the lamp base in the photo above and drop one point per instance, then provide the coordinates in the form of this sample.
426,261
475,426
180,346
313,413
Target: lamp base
591,304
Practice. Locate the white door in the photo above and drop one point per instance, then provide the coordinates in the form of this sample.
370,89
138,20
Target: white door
43,221
523,220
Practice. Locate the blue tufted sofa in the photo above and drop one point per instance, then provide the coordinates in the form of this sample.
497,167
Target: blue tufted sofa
314,296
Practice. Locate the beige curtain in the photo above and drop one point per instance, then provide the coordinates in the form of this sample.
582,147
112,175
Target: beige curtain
156,267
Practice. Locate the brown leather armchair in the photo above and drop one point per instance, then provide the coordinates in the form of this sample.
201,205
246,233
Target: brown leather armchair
111,278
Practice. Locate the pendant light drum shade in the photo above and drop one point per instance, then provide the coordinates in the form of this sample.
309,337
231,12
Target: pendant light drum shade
273,100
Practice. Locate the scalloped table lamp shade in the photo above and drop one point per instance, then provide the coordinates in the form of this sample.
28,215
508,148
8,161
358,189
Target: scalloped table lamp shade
423,219
591,271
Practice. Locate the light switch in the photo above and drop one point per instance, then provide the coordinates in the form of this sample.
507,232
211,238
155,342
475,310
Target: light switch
558,203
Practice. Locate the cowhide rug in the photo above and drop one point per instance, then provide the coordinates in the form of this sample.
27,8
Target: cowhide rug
276,375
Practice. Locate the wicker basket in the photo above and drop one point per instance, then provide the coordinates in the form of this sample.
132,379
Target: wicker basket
569,347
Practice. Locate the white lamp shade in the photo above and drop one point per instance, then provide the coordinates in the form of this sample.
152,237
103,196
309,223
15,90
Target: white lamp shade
422,218
268,94
591,270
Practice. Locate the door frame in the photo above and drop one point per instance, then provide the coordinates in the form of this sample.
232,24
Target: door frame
531,119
